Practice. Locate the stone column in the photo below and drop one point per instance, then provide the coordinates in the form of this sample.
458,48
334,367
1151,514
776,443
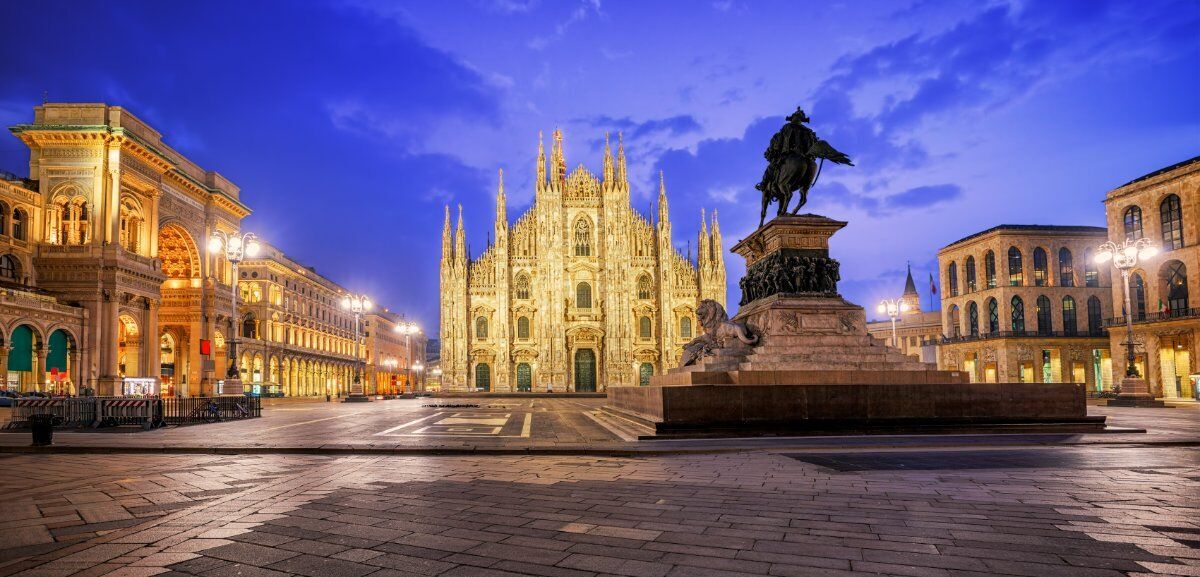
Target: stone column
152,352
39,368
4,350
105,325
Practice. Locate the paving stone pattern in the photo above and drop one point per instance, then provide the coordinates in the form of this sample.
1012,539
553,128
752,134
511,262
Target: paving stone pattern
752,513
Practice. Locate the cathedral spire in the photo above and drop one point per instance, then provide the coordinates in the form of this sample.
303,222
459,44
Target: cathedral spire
702,245
501,204
460,239
910,296
662,199
558,160
541,162
608,161
447,251
622,176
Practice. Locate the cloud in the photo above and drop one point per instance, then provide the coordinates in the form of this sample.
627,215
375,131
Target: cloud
924,196
671,126
581,12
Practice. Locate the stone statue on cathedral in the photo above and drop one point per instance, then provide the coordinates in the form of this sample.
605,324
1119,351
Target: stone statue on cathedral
792,164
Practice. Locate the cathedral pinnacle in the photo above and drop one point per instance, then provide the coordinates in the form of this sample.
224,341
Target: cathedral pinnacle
662,199
460,238
608,162
558,160
621,174
446,247
501,204
541,161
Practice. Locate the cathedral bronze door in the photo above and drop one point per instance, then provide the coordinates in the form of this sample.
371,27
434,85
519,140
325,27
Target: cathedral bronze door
524,378
645,371
585,371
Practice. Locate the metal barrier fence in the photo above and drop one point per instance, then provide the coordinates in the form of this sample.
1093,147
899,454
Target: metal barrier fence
146,413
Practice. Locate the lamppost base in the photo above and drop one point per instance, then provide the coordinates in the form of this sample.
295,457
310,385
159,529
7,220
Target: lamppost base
356,398
1135,393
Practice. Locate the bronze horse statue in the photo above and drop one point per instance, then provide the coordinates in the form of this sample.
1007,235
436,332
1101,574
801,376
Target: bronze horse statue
792,164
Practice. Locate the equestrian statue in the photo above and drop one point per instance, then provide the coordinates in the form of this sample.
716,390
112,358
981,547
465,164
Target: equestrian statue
794,161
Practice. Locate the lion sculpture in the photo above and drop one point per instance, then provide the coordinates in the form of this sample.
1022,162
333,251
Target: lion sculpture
718,332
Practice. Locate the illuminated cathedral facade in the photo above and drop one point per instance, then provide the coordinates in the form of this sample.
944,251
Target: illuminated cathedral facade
579,293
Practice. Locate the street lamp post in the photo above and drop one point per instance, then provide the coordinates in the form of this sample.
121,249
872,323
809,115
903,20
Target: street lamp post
408,329
236,247
893,308
357,304
1125,257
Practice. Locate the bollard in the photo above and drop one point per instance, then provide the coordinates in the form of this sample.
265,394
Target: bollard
42,426
327,397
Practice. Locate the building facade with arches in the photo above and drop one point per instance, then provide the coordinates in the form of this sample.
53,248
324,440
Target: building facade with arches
105,282
1164,207
578,293
1027,303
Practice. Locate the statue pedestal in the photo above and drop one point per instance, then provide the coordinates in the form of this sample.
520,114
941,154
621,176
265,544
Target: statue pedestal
814,368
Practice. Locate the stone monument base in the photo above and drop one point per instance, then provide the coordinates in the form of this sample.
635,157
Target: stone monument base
811,367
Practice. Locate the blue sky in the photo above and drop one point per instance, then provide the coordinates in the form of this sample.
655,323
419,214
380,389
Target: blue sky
349,123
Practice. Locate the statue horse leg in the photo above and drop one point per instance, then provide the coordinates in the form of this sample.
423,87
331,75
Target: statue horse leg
785,199
807,180
766,199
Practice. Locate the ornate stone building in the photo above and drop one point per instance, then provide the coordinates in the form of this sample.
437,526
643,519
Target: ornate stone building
579,292
394,363
104,283
918,333
1026,303
1163,206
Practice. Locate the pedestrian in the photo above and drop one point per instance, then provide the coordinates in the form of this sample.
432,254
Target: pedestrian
327,398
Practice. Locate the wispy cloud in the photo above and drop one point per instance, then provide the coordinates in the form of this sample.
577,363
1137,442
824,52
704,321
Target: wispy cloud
581,12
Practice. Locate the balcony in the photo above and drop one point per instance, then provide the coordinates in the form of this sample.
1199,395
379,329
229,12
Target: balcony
1100,333
1171,315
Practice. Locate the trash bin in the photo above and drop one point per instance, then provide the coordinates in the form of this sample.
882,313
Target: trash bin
43,429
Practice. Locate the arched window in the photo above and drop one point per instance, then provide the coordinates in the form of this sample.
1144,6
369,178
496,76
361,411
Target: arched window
481,328
1016,275
1066,267
483,377
643,286
583,238
955,327
993,316
583,295
1172,223
1095,315
18,223
1018,315
1043,316
1070,322
989,269
8,268
523,328
1091,274
4,218
1138,284
1133,223
644,330
1177,290
1041,269
973,319
249,328
952,278
970,270
685,327
521,287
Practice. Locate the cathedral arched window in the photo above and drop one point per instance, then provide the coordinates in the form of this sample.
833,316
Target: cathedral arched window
952,278
1041,268
583,238
1018,315
973,319
1066,267
1069,318
1172,222
993,316
521,287
644,329
969,269
1044,321
583,296
1016,276
989,269
481,328
643,286
685,327
1133,223
523,328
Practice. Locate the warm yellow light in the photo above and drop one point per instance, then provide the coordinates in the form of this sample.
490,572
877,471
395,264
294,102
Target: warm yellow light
1103,256
1149,252
903,307
346,303
1130,251
214,244
252,248
882,308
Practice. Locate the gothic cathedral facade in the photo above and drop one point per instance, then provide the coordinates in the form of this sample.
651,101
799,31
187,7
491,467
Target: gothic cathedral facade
579,293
